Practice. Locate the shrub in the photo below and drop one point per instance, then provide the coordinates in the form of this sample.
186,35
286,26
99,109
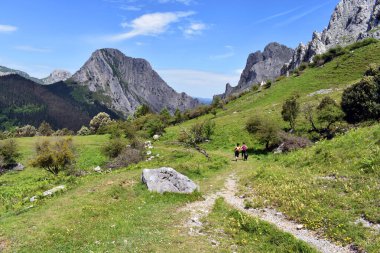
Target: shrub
142,110
290,110
155,126
165,116
9,152
360,102
198,133
128,156
45,129
25,131
102,119
265,130
54,156
113,147
268,84
328,112
178,118
83,131
63,132
292,142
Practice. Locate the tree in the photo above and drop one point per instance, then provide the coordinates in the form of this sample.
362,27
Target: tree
290,111
178,118
361,101
165,116
266,131
45,129
84,131
102,119
142,110
9,152
55,156
328,112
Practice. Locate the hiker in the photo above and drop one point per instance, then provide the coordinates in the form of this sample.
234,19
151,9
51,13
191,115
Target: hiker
244,152
237,151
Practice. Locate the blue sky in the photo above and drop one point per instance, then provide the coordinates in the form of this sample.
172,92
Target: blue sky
197,46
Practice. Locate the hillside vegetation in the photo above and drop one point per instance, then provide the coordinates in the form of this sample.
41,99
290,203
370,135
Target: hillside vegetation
327,187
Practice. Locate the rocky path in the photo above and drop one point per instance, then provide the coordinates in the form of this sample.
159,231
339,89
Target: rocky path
200,209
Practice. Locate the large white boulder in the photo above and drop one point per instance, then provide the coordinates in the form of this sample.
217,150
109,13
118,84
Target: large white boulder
167,180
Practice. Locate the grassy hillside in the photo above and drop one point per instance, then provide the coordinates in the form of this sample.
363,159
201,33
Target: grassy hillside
24,102
327,187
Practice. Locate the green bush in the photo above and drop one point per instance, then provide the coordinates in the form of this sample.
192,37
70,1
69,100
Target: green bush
264,130
113,147
361,101
290,110
45,129
198,133
9,152
99,121
329,112
25,131
54,156
83,131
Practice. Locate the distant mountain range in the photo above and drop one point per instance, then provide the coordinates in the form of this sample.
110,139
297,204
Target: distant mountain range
115,83
351,21
109,81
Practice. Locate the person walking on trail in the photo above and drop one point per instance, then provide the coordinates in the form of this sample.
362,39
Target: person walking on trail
237,151
244,152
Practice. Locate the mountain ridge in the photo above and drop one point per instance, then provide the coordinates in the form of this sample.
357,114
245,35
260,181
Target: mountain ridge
128,83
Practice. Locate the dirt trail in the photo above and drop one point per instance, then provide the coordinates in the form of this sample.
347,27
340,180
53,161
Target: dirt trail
200,209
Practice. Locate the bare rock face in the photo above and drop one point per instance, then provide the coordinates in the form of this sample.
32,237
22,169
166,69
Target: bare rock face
56,76
125,83
352,20
167,180
261,67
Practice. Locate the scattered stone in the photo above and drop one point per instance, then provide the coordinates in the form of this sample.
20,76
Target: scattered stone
299,227
97,169
167,180
148,152
368,224
280,149
18,167
148,145
156,137
321,92
32,199
53,190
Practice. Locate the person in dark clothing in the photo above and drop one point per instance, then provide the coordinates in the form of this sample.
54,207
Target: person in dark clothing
244,152
237,151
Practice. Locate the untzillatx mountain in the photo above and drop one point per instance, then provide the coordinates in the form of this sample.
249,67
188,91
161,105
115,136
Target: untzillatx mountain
262,66
124,83
352,20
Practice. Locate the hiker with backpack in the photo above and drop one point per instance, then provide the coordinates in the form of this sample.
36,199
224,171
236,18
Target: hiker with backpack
237,151
244,152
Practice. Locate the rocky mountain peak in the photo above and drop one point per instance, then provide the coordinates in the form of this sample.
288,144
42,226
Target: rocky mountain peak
352,20
261,66
56,76
125,83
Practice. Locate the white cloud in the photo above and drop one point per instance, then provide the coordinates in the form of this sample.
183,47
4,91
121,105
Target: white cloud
195,28
300,15
198,83
8,28
277,15
185,2
131,8
32,49
230,52
150,24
